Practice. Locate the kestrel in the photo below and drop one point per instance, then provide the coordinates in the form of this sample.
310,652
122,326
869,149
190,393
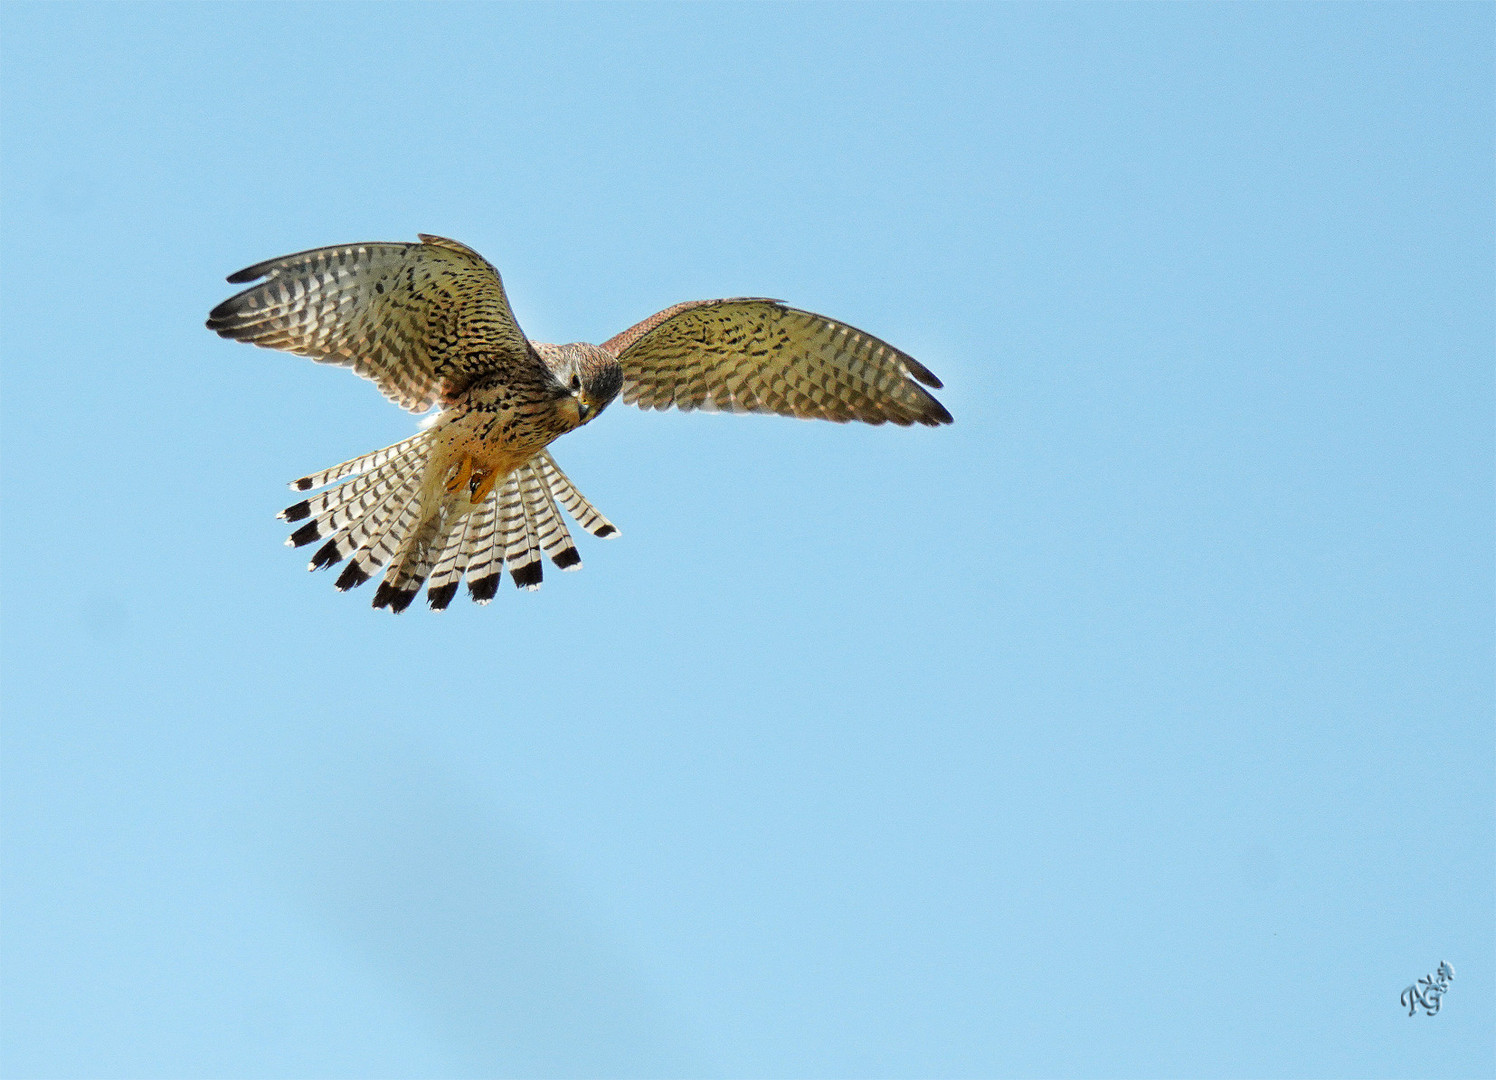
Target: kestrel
429,323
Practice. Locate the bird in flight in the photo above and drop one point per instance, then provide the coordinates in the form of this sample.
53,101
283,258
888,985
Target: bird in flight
429,324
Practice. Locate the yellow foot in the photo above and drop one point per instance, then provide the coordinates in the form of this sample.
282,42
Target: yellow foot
460,477
483,483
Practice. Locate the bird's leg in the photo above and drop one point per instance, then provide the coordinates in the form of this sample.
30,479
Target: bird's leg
460,477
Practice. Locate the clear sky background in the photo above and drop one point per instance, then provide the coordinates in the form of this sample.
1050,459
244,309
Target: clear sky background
1137,724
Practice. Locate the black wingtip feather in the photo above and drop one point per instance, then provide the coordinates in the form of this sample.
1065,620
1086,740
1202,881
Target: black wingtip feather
939,414
441,596
352,577
305,535
297,512
249,273
921,373
484,589
525,576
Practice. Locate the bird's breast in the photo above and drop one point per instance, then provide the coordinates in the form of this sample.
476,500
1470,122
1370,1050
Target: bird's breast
488,436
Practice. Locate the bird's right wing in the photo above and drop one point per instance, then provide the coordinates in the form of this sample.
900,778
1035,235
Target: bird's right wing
420,320
754,355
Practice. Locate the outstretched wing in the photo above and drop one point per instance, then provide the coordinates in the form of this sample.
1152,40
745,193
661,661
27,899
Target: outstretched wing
756,355
420,320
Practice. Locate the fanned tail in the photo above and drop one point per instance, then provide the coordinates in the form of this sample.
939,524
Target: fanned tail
382,511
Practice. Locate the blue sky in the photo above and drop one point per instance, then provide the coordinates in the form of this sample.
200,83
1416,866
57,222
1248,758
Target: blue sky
1138,724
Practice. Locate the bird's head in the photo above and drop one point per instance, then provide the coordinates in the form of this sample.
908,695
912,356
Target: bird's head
590,378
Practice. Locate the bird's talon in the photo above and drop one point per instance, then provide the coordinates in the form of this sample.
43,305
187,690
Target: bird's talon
464,470
482,484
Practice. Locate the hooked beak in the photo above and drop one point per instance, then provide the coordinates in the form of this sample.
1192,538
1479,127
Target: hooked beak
585,410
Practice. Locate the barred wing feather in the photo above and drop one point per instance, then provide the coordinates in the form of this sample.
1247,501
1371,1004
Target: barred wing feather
420,320
757,355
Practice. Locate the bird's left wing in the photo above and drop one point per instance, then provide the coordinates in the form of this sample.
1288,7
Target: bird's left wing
420,320
756,355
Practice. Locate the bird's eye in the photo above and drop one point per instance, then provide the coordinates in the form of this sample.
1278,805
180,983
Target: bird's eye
576,382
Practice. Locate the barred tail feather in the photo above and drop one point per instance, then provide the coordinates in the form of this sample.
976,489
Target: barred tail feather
485,551
369,490
382,538
363,463
451,562
584,512
417,555
338,509
517,534
352,536
346,524
550,530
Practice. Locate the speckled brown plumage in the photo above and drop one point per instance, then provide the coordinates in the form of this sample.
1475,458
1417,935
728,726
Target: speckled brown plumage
429,324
